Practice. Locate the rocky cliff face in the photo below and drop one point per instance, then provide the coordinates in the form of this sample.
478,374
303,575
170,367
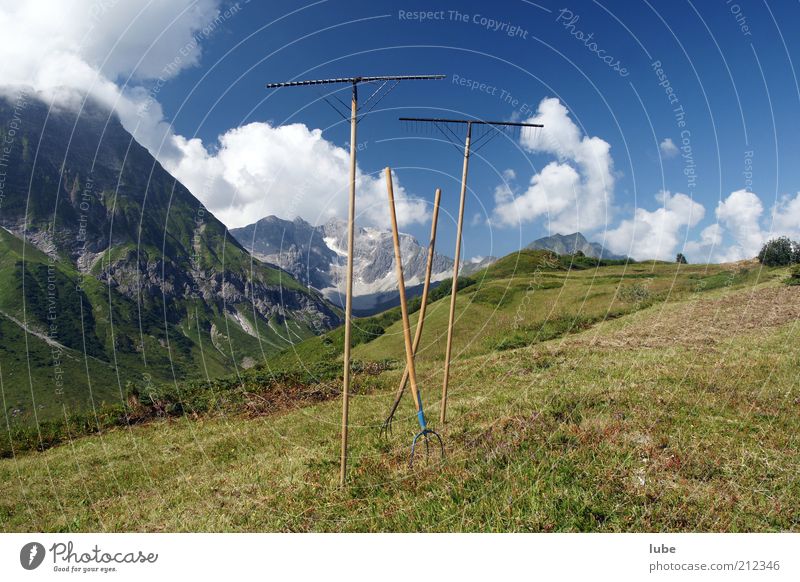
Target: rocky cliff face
317,256
295,246
153,260
569,244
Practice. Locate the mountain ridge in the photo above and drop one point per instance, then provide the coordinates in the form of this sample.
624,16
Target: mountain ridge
569,244
132,268
316,256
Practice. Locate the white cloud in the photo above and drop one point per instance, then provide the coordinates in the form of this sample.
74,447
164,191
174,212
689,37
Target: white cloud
741,220
740,215
67,49
656,234
122,53
289,171
552,191
707,247
114,39
668,148
574,193
786,216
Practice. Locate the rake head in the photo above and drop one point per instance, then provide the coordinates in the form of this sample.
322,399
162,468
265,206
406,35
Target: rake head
425,434
386,428
482,132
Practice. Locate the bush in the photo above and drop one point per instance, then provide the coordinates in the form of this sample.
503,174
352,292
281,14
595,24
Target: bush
681,259
794,276
445,286
778,252
635,293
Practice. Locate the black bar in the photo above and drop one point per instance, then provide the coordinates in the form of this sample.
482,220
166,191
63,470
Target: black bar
475,121
354,80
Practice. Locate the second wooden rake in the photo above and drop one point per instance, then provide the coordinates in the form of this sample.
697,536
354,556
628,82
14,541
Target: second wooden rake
387,424
425,433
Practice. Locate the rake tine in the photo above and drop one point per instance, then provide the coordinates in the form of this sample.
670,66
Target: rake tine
425,434
413,449
386,428
441,444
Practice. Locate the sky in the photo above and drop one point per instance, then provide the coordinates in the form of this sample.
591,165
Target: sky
668,126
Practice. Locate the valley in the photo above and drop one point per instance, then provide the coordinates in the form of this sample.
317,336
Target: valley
584,398
112,275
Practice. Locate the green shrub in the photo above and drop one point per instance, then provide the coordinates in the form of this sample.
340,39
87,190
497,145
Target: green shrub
443,288
778,252
794,276
634,293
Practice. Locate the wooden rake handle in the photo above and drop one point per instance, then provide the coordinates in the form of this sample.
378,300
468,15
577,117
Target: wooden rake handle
412,373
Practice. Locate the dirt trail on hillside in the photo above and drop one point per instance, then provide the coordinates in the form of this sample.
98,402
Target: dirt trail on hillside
699,322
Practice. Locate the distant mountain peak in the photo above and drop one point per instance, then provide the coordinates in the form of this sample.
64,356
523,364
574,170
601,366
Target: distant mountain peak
569,244
316,255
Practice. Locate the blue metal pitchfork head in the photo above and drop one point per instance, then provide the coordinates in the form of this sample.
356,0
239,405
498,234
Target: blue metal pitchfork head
424,434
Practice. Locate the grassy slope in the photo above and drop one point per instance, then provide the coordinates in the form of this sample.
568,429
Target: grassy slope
93,321
28,362
87,177
679,416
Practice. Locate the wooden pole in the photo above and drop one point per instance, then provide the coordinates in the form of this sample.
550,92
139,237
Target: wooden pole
348,310
412,373
423,306
454,289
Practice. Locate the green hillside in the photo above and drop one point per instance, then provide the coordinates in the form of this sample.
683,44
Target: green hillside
646,397
114,277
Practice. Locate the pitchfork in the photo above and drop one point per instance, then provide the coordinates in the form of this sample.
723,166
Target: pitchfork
425,433
387,424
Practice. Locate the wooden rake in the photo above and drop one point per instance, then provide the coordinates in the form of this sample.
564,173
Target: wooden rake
387,424
488,131
425,433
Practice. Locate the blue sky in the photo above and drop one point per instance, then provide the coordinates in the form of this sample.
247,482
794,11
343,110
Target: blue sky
728,65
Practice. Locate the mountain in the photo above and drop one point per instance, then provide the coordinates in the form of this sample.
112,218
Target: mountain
476,264
569,244
317,256
111,272
294,246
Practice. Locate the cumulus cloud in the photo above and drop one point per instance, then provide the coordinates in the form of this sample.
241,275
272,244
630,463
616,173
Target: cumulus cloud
258,169
574,193
668,148
742,227
553,191
740,215
72,48
786,216
113,39
708,246
122,53
656,234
